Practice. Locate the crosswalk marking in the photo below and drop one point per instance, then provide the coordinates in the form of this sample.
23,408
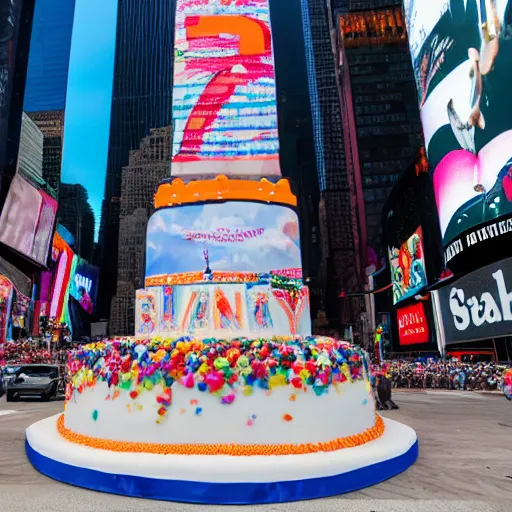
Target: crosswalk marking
7,412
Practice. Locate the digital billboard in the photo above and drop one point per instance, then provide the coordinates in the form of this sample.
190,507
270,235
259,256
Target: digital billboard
27,220
407,264
84,285
224,95
234,236
462,59
478,305
412,325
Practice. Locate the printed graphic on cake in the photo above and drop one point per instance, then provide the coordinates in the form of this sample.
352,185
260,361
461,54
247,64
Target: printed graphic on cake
231,236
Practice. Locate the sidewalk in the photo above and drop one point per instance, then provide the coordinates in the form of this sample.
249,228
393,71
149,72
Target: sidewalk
424,390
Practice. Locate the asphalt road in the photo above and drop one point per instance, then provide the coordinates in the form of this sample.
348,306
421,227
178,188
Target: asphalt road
465,464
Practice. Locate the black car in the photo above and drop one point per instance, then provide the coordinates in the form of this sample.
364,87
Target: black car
43,380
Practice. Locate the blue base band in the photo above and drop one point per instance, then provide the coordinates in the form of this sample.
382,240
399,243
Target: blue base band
222,493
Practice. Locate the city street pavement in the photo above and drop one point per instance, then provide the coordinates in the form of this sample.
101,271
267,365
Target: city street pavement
465,464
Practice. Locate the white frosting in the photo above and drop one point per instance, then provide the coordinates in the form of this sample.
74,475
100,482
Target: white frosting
397,439
335,414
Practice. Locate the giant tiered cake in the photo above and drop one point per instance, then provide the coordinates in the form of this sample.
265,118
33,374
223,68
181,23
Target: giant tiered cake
223,395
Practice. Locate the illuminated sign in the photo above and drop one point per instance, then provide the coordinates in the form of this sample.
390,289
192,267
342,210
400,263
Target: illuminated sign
407,266
412,325
479,305
83,282
248,238
27,219
462,59
224,95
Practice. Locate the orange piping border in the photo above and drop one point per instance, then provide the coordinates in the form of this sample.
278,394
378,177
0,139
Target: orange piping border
222,449
222,189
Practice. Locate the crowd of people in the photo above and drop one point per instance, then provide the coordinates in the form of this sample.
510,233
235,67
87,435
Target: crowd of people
399,373
30,352
446,374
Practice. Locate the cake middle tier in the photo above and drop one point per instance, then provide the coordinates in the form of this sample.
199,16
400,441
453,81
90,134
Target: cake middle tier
253,308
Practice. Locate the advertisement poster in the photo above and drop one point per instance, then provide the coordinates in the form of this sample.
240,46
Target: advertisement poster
407,266
27,220
478,305
412,325
224,95
231,236
462,59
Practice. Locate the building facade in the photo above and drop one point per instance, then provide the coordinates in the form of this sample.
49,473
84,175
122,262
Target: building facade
15,30
379,93
30,155
141,101
50,46
340,232
76,215
51,124
147,167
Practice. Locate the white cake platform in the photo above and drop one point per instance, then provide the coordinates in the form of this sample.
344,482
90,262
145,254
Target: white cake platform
222,479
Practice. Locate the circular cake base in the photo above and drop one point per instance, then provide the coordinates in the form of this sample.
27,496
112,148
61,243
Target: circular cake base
221,479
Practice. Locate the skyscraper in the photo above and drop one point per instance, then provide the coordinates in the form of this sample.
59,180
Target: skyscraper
76,215
147,167
141,101
340,228
15,29
47,78
50,47
379,95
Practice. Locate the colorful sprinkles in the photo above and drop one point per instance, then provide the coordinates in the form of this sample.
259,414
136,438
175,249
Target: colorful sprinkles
221,367
223,449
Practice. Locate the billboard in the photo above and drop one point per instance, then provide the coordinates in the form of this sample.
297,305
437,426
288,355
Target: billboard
84,285
478,305
462,59
407,264
224,95
27,220
229,237
412,325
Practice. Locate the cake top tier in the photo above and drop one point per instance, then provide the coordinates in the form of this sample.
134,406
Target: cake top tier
177,192
224,92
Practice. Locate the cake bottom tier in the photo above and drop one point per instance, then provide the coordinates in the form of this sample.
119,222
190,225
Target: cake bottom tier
281,416
221,479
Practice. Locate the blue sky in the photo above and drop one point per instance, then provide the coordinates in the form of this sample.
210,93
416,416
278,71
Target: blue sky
89,98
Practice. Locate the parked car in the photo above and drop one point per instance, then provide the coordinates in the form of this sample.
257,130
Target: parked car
43,380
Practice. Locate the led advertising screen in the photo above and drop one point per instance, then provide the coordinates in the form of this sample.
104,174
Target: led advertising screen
462,58
224,96
223,237
27,220
412,325
478,305
84,285
407,264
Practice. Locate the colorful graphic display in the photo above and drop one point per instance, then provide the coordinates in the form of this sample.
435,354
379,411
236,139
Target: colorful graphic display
407,265
27,220
462,58
412,325
224,96
232,236
84,284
